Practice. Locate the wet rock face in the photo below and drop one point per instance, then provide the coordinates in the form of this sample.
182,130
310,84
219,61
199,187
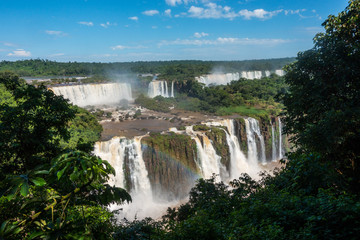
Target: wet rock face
265,128
170,162
240,131
218,137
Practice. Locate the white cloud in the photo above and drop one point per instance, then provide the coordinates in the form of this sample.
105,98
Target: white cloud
20,53
107,24
297,11
173,2
150,12
199,35
134,18
122,47
55,33
154,27
258,13
167,12
90,24
168,27
224,41
212,10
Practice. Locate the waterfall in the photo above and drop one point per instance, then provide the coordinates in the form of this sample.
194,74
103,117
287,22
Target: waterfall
238,163
160,88
253,132
273,147
280,72
280,140
209,161
115,151
226,78
94,94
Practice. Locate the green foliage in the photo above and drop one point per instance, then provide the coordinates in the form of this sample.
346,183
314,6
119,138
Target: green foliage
169,70
158,103
323,103
316,195
30,129
243,111
45,191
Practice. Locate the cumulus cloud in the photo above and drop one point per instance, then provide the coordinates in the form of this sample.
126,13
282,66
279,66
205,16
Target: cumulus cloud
55,33
134,18
223,41
20,53
258,13
90,24
199,35
212,10
167,12
150,12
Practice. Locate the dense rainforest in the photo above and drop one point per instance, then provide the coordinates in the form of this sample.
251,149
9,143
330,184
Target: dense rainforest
170,70
53,187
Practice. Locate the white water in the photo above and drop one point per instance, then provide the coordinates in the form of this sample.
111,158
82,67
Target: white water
117,149
225,78
160,88
273,143
172,89
143,204
239,163
253,132
95,94
280,140
113,151
208,161
280,72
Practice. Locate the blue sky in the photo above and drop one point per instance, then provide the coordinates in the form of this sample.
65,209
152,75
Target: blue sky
143,30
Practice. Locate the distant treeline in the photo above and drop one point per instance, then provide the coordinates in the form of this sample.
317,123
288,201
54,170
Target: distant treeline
39,67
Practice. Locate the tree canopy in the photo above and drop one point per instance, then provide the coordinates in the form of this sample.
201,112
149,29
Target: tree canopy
51,185
322,106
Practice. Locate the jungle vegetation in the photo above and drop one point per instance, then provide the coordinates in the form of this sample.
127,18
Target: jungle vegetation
53,191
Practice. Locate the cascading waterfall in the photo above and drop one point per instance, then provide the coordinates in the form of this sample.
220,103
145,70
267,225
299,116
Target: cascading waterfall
160,88
273,143
115,151
225,78
280,72
280,140
253,131
208,162
95,94
138,172
238,161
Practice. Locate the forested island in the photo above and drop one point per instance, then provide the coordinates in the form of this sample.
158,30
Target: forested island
55,186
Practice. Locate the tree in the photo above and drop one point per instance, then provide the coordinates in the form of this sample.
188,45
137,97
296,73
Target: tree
322,106
48,188
32,126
